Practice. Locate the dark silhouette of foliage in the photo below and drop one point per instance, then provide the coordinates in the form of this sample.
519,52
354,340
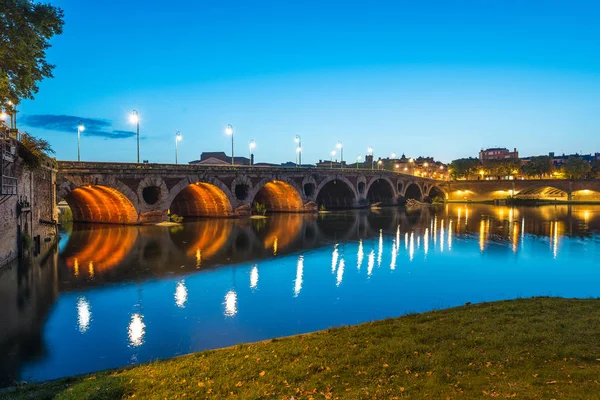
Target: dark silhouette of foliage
26,28
34,151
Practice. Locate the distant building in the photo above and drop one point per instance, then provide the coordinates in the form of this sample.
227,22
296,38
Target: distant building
498,153
331,164
559,160
220,158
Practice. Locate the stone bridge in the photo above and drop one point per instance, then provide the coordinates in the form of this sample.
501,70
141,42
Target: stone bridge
545,189
127,193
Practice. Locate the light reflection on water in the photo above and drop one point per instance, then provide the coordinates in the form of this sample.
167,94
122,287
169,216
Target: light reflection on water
121,295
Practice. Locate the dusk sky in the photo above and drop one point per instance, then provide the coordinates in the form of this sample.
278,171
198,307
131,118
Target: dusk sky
430,78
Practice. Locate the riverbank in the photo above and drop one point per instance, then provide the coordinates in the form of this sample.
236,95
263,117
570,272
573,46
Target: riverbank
526,348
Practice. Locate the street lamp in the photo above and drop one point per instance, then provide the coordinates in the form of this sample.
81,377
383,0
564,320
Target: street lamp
252,145
331,160
80,128
177,139
412,165
298,141
134,118
3,116
379,164
298,151
229,131
341,147
370,151
358,158
393,156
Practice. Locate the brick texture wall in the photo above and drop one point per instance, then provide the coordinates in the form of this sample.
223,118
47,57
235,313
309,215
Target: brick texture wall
39,189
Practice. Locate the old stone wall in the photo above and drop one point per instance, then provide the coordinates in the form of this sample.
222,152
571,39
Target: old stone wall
38,221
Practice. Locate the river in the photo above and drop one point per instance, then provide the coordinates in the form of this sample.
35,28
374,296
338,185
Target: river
113,296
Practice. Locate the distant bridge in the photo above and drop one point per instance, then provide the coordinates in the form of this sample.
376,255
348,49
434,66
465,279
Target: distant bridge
126,193
544,189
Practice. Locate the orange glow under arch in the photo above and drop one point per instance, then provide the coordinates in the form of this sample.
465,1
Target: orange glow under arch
101,204
279,196
99,249
201,200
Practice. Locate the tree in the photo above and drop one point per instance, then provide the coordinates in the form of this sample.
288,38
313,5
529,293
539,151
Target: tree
463,167
576,168
34,151
595,173
538,166
26,28
501,168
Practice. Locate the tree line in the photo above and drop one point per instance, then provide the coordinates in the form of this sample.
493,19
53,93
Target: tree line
536,167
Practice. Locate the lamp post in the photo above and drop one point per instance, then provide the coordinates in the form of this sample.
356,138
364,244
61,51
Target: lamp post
252,145
331,159
80,128
357,160
426,166
298,141
134,118
177,139
370,151
229,131
412,165
379,164
340,146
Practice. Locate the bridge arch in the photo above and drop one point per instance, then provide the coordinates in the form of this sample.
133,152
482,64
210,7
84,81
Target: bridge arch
585,195
278,195
200,198
542,192
381,190
336,192
99,203
436,191
413,191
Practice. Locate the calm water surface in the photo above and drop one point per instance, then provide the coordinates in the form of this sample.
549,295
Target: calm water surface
112,296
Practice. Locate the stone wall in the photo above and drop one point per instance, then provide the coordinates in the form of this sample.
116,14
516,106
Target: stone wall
38,188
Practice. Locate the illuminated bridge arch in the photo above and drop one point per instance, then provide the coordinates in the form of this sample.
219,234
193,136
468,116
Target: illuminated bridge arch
99,203
336,192
542,192
585,195
278,195
200,199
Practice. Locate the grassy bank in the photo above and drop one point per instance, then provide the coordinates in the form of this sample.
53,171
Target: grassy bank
529,348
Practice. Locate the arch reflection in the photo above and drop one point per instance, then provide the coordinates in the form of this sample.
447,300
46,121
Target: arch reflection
99,247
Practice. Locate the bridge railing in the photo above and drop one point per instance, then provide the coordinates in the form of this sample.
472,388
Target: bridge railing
111,166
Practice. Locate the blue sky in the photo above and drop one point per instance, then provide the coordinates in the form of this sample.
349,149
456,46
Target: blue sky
439,78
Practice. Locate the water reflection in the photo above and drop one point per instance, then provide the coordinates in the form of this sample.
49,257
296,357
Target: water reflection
136,330
181,294
84,314
201,281
230,303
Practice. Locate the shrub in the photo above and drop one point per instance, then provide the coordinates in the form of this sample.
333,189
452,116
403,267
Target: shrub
176,218
438,199
322,208
259,209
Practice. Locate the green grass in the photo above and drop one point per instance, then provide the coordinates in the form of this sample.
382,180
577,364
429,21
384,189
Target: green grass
526,349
